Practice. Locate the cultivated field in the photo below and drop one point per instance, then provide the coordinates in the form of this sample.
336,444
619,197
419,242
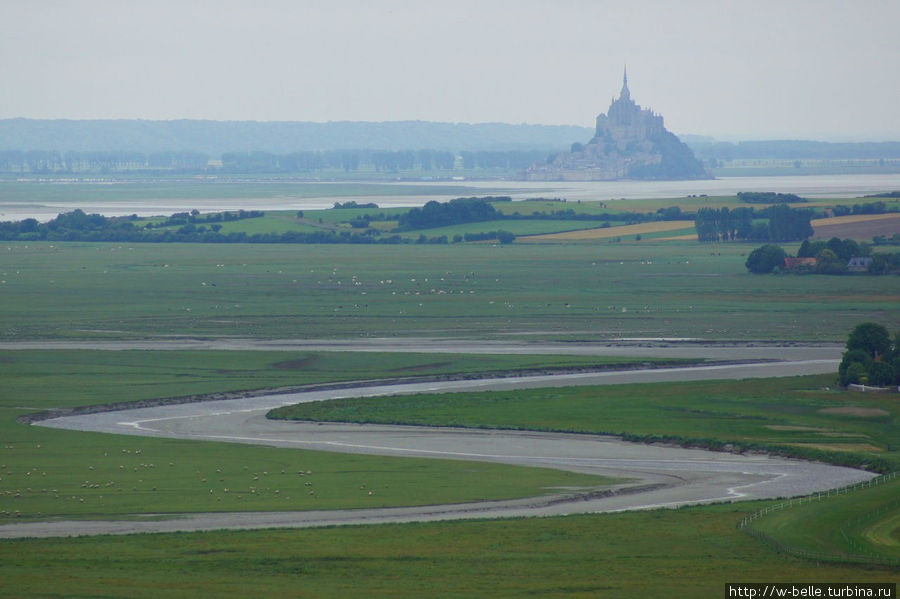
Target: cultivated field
857,226
624,231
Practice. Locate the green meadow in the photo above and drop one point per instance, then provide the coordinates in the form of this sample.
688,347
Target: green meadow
591,291
554,291
685,553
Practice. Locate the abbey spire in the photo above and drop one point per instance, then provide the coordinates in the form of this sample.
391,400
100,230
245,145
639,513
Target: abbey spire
625,94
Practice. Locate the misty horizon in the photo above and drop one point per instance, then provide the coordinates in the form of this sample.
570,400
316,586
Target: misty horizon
811,69
696,137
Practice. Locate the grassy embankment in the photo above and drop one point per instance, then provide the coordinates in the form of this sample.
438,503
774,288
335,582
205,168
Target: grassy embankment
47,473
862,525
567,292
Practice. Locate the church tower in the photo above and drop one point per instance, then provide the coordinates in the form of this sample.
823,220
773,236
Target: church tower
625,94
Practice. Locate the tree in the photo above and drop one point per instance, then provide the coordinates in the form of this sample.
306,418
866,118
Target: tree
505,237
871,357
828,263
809,249
880,373
765,259
871,338
854,356
857,374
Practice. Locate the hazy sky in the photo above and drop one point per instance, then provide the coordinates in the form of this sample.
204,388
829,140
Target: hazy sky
816,69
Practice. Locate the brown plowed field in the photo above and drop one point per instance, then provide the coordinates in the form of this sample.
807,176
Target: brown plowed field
856,226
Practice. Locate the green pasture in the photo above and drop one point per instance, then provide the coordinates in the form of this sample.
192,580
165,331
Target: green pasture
278,222
793,416
272,222
685,553
553,291
47,473
863,523
334,216
517,227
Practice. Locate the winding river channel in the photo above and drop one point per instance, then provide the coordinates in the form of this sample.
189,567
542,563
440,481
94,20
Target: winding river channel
658,476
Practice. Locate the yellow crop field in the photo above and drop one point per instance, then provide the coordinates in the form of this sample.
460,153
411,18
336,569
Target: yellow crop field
852,218
690,237
610,232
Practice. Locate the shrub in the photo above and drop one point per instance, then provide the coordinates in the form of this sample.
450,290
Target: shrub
765,259
856,374
880,373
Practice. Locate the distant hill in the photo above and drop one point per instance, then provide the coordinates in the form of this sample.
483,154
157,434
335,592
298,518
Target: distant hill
214,138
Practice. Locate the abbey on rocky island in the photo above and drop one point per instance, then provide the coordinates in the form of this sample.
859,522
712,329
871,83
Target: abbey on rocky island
629,142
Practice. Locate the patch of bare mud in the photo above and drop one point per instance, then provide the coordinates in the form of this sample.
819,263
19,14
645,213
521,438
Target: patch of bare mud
856,412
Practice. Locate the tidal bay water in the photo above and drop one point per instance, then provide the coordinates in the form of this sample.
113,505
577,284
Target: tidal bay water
18,206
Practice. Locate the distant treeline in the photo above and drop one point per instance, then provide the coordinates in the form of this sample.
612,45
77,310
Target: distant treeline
775,223
48,162
79,226
832,257
867,208
466,210
215,138
381,161
793,150
768,197
458,211
45,162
